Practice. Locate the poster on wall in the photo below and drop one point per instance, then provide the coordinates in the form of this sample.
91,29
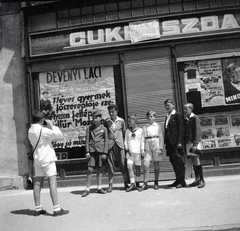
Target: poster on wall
144,30
212,92
68,98
231,80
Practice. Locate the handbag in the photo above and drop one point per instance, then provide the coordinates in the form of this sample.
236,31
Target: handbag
30,154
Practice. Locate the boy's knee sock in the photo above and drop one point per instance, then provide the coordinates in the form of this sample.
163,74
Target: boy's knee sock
39,208
56,208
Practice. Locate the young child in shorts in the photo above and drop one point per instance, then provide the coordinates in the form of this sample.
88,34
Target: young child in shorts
96,151
134,146
153,147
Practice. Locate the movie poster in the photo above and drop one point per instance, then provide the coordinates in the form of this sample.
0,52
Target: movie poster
212,92
231,80
68,98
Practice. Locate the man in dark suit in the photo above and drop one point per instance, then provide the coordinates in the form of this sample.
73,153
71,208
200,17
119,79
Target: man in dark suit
173,139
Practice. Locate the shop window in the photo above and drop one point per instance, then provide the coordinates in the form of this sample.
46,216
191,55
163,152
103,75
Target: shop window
212,85
69,96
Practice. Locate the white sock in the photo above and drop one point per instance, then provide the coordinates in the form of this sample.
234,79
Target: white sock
39,208
56,208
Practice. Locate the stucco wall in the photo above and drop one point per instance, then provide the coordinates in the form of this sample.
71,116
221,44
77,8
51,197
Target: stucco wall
13,99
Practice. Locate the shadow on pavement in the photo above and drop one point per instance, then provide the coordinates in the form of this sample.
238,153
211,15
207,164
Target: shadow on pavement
28,212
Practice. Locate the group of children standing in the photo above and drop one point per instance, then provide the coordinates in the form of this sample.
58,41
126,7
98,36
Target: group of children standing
111,143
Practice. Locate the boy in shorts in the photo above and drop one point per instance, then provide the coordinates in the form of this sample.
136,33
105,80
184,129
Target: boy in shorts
44,161
153,149
96,151
134,146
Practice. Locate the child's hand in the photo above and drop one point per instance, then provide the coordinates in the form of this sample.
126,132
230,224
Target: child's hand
104,157
143,153
87,155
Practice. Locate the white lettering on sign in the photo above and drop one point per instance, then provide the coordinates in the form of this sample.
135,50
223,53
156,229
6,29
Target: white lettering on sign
166,28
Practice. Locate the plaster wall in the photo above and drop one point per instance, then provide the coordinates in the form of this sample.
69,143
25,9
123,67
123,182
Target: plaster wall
13,101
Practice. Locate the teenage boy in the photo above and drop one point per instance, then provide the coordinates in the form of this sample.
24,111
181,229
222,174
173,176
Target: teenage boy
116,152
134,146
153,149
96,151
44,161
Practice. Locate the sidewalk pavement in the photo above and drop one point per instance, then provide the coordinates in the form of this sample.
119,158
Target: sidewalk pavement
215,207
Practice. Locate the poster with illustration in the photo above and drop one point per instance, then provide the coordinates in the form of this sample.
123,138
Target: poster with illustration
72,96
210,73
231,80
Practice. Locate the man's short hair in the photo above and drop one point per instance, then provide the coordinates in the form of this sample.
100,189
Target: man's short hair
112,106
171,101
153,113
37,116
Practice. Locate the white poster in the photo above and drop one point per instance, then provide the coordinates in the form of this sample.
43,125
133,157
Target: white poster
144,30
212,92
68,98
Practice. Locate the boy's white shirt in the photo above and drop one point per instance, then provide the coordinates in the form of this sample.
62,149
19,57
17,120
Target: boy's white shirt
134,144
154,129
44,151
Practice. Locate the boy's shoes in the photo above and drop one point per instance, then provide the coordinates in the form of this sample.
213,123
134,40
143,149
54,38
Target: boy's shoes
144,187
201,184
131,188
101,191
156,187
85,193
37,213
60,213
126,186
174,184
110,188
194,183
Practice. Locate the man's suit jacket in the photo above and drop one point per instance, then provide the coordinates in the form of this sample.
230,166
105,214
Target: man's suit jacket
96,139
115,133
174,133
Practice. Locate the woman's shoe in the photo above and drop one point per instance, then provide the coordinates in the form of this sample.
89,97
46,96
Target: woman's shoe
101,191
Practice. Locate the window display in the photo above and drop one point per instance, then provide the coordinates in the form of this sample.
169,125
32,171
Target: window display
213,86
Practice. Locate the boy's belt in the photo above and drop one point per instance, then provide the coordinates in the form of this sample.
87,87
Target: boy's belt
150,137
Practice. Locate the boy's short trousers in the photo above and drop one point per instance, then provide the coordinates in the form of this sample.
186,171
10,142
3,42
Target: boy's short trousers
48,169
135,159
153,155
96,160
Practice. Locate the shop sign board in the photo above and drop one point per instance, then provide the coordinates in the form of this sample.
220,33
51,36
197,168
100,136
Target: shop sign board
139,31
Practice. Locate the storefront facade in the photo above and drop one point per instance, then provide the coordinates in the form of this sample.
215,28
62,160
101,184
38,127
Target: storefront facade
136,54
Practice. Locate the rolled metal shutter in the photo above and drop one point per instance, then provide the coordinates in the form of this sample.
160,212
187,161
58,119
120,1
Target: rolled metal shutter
148,84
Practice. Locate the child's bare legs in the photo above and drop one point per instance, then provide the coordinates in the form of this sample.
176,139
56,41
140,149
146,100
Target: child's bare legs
99,177
156,173
52,180
131,173
88,183
138,173
146,172
38,183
